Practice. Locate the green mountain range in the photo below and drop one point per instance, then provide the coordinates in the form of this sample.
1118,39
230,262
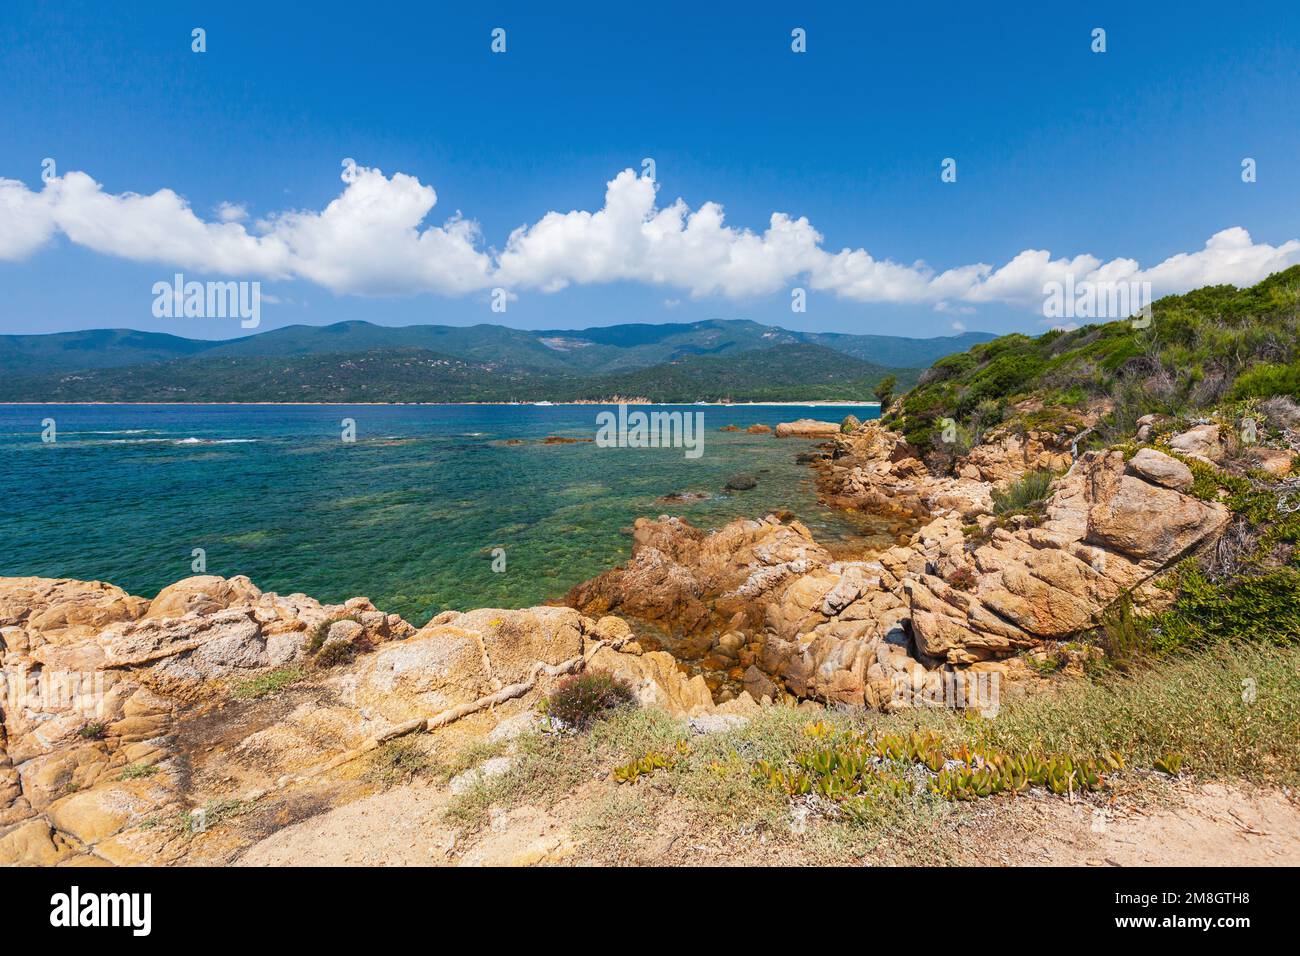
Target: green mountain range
358,361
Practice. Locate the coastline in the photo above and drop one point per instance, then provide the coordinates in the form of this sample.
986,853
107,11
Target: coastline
247,704
847,403
485,428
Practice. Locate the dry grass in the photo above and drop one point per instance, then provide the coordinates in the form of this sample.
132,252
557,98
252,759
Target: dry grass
546,766
1203,707
270,682
400,761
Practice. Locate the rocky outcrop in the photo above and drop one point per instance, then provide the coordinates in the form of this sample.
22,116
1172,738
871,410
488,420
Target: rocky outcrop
1108,529
35,612
873,469
1205,442
680,575
1218,444
1007,457
1160,469
122,716
202,594
1277,462
900,628
807,428
117,718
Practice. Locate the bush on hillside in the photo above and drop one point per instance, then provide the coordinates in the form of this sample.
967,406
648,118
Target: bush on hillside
1200,348
1023,495
578,700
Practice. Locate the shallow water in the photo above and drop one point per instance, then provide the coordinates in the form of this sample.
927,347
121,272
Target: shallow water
408,514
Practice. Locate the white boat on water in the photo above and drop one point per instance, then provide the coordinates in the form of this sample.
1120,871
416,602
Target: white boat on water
543,403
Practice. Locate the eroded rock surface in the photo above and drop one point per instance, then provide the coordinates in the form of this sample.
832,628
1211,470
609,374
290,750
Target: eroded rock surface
126,726
873,469
901,627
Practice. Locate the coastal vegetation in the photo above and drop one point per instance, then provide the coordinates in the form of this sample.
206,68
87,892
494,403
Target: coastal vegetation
1220,359
580,699
1212,346
1023,495
915,769
270,682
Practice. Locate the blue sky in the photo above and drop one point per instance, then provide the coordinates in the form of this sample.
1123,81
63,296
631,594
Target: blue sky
1135,153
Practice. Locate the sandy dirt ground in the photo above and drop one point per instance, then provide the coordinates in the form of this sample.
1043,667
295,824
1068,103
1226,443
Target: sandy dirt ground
1187,825
1181,824
398,827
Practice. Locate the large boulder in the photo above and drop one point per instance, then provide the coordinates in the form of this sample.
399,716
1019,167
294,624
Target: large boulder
1109,527
458,658
203,594
33,843
807,428
685,579
1153,525
1275,461
1201,441
233,633
1160,469
38,611
98,814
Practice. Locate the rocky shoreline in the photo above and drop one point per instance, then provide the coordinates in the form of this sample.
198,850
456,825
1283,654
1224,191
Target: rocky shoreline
964,595
125,717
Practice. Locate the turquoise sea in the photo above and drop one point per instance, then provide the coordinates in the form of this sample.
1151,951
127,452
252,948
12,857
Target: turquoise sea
407,514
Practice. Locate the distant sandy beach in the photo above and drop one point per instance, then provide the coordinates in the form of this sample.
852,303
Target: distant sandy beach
841,404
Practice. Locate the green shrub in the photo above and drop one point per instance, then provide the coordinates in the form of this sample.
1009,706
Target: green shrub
961,577
269,683
578,700
1265,381
318,635
1259,607
340,652
884,392
1201,346
1125,637
137,771
1045,664
1023,495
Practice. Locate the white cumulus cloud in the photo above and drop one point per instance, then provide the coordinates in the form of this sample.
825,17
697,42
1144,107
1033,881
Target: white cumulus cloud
373,239
25,220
